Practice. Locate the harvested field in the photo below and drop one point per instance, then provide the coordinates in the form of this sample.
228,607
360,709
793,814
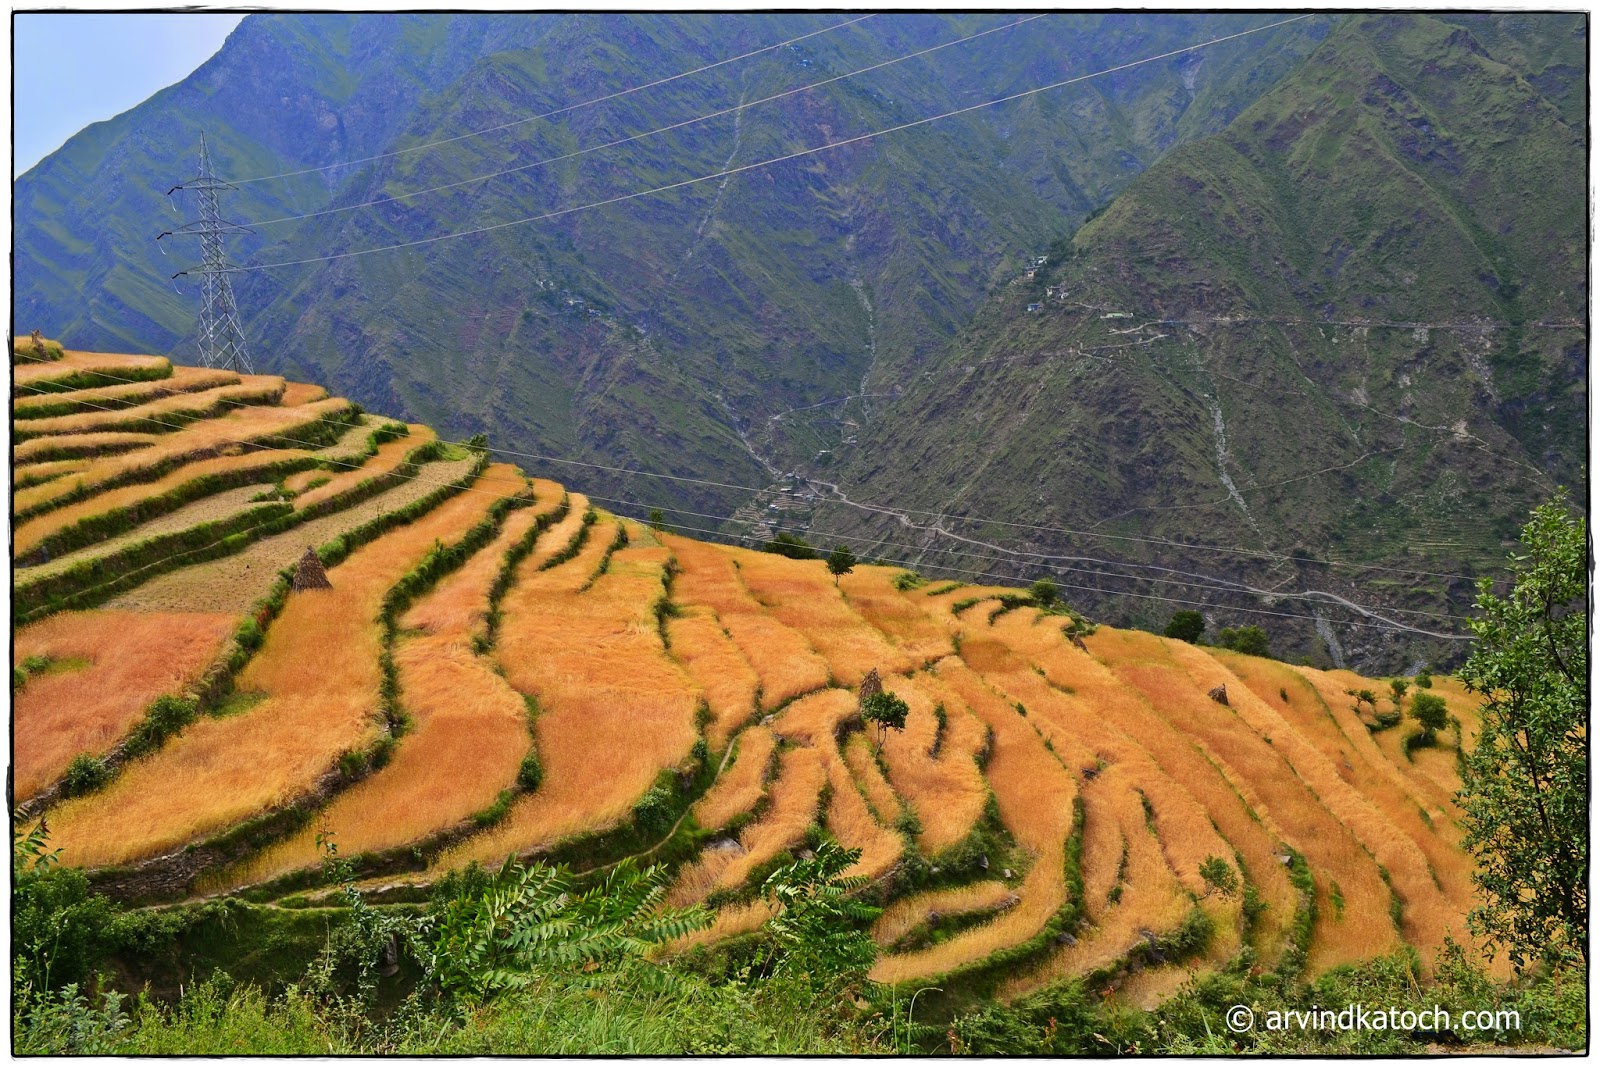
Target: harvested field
90,708
741,785
183,379
33,532
160,415
28,379
235,582
207,509
220,771
388,458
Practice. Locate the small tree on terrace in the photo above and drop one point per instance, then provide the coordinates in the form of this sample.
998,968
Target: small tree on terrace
885,711
1186,626
1430,712
1044,593
840,562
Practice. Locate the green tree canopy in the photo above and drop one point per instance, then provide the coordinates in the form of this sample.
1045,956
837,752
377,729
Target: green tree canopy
1044,593
840,562
885,711
1187,626
1251,640
1526,782
1430,712
790,545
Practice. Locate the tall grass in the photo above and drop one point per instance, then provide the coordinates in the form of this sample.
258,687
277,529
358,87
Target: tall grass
110,510
83,445
468,733
782,658
947,792
615,710
198,440
59,714
871,592
741,785
1035,797
858,756
717,666
389,457
802,596
908,912
77,370
183,379
319,671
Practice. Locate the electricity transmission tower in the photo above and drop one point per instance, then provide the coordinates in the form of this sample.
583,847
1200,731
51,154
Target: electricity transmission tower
221,338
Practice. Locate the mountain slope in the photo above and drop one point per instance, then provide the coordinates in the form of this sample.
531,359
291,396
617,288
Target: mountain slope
1349,327
703,311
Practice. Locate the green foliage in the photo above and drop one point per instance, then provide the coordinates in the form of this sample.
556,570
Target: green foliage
534,920
1424,679
67,1023
1044,593
840,562
1430,711
85,774
1248,640
1187,626
165,717
818,936
907,580
1219,875
787,544
884,711
59,929
1525,798
530,775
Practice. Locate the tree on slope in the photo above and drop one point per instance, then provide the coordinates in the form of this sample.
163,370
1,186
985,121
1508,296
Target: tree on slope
1525,793
840,562
885,711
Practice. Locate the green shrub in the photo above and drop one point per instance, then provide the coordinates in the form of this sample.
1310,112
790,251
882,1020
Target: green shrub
85,774
1187,626
789,545
1248,640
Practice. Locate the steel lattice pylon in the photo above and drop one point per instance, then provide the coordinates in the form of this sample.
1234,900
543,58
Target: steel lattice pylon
221,337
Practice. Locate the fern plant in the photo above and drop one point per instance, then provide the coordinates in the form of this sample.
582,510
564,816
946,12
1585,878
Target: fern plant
535,919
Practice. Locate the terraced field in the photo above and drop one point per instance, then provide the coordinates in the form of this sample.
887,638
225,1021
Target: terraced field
500,667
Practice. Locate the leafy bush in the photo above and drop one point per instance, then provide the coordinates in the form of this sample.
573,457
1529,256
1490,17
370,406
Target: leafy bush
1044,593
1248,640
787,544
85,774
1187,626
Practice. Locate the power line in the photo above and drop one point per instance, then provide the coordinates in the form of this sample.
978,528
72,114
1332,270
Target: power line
557,111
727,172
1203,581
1250,553
648,133
1384,624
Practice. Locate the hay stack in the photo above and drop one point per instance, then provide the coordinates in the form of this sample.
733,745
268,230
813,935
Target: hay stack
310,574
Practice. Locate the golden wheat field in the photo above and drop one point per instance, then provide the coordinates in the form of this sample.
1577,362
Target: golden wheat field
557,679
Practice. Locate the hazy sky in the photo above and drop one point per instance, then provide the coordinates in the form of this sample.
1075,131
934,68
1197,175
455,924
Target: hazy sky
99,65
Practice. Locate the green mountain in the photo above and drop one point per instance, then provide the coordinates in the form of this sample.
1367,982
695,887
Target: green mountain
656,331
1346,332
